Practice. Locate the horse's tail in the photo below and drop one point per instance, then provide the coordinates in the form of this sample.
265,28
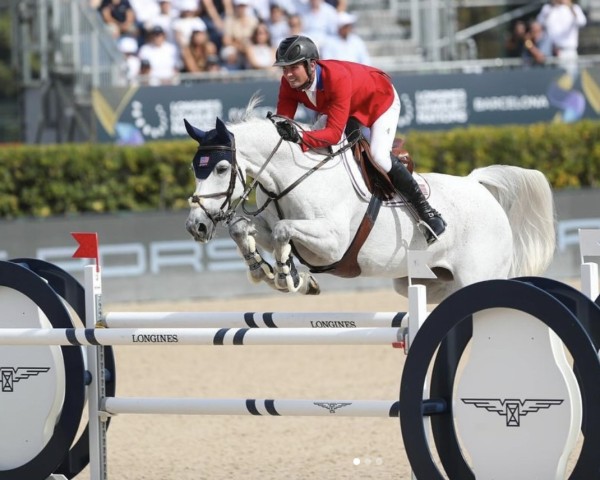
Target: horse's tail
526,197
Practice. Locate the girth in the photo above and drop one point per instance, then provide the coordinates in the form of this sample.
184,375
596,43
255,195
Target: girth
347,266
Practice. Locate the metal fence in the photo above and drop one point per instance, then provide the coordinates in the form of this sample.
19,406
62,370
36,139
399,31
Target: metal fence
63,38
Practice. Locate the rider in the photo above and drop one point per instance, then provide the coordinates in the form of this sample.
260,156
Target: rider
341,90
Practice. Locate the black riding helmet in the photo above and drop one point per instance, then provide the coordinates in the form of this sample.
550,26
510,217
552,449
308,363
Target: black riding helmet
295,49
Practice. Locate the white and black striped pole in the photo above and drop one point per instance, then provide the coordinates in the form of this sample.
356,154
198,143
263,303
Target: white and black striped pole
200,336
263,407
252,319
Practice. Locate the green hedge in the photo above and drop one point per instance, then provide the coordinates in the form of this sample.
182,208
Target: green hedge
568,154
63,179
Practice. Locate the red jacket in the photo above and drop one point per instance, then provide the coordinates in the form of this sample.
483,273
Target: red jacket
344,90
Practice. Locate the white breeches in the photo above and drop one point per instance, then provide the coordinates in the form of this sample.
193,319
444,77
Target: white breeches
383,133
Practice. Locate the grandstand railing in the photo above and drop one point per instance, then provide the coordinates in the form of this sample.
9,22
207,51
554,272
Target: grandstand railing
65,38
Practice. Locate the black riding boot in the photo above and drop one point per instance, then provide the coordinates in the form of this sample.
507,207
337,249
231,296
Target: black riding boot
404,182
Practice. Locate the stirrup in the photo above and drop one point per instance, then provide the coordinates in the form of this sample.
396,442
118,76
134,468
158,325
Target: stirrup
428,232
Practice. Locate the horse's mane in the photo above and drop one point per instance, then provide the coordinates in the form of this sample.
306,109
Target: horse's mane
249,112
252,113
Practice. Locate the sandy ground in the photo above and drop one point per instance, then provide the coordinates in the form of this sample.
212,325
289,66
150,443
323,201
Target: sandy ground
247,447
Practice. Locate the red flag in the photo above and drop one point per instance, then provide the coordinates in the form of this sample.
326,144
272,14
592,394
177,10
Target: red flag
88,246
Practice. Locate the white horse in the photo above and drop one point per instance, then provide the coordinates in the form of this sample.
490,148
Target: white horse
501,220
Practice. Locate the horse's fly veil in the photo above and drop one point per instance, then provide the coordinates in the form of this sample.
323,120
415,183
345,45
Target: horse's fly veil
206,158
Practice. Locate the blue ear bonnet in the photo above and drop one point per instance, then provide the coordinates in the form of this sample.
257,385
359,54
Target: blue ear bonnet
214,146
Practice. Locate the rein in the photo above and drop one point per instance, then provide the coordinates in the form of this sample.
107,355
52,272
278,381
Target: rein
228,208
274,197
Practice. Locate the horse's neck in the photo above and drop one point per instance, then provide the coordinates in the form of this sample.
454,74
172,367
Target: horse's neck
257,143
260,156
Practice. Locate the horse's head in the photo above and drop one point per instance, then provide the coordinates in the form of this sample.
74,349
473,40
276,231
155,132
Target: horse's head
216,171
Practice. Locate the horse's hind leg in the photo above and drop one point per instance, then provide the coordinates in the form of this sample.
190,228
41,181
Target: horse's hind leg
243,233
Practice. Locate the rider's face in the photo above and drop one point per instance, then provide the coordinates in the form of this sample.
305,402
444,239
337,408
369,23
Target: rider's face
295,74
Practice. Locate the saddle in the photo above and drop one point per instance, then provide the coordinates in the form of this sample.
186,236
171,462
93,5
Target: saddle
376,180
381,189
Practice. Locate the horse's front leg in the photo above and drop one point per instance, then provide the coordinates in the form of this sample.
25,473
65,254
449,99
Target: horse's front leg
243,232
319,237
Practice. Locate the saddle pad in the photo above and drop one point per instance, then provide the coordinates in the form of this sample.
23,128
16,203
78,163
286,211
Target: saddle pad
361,188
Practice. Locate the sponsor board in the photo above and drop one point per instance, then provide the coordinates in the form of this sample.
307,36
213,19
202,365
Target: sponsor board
149,256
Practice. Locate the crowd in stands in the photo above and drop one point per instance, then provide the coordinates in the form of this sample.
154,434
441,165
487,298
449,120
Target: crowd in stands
162,38
553,32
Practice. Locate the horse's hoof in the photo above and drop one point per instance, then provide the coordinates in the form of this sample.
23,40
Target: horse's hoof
313,287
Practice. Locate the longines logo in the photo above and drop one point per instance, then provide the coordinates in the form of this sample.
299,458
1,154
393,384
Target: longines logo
332,324
332,406
511,408
9,375
145,338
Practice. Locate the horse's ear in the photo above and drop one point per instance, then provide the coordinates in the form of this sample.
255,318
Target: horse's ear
222,131
194,132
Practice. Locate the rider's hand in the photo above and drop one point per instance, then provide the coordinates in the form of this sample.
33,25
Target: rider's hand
287,131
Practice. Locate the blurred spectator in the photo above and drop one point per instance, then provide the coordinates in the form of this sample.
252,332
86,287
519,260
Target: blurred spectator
145,12
144,66
514,43
213,12
187,22
261,8
260,53
119,16
302,6
231,58
195,56
288,6
339,5
179,5
295,6
162,56
537,45
213,64
320,21
346,45
295,24
129,47
144,77
164,19
240,26
278,24
562,20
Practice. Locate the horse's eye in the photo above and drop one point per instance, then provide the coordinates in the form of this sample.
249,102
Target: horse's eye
222,169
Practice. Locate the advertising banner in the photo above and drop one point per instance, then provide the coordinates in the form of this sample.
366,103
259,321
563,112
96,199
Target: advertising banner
138,114
150,256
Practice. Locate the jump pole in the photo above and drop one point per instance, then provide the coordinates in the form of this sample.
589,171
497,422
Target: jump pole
200,336
263,407
252,319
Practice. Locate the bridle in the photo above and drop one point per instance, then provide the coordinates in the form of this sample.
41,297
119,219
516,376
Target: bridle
227,209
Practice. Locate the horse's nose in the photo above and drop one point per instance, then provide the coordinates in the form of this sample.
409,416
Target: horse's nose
196,229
